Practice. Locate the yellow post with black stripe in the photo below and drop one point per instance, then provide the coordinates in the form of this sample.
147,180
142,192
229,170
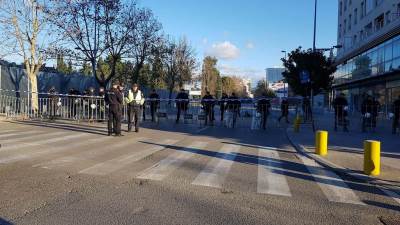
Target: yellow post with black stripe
321,142
372,157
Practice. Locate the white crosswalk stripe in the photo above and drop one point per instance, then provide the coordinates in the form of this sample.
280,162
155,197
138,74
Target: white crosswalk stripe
118,163
87,155
48,149
30,140
334,188
215,172
166,166
270,179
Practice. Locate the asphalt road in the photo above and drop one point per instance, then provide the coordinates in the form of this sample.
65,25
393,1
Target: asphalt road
179,174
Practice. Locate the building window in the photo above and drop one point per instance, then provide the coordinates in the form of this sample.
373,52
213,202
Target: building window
388,17
345,5
340,30
361,35
368,30
349,22
345,26
354,39
362,9
379,22
369,6
340,8
355,15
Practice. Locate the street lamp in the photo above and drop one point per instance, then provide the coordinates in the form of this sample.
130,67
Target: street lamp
315,24
283,51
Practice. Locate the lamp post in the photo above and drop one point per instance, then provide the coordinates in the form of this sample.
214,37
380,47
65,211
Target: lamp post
315,23
284,85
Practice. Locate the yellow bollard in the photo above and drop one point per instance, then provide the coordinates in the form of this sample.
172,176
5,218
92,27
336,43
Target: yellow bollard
372,157
321,143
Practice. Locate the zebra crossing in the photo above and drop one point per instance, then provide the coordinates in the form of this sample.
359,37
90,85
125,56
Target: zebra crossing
270,170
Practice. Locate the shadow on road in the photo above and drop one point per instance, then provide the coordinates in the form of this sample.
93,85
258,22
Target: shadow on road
4,222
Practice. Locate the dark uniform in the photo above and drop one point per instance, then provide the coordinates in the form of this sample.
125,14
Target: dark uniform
208,103
372,107
154,99
396,112
233,106
263,106
182,103
222,105
114,101
339,104
284,110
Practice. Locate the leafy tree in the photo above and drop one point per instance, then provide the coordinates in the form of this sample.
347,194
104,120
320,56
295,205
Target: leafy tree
61,65
262,88
86,69
319,66
233,84
210,76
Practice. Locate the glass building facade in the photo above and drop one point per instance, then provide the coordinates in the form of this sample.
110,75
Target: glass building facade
374,72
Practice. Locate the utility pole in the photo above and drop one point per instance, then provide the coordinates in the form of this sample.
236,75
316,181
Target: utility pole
315,24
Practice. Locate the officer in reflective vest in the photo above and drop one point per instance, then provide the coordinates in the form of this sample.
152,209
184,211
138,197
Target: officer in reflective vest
135,101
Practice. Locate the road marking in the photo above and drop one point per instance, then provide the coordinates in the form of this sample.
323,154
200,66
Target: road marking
8,131
15,134
87,155
45,150
32,140
269,179
118,163
166,166
215,172
334,188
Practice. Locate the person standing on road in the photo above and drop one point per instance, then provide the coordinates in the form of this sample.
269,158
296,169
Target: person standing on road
339,104
369,110
154,99
263,107
233,106
222,105
114,100
284,110
182,102
135,101
396,114
208,106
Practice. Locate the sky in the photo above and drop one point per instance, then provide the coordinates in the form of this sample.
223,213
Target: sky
247,36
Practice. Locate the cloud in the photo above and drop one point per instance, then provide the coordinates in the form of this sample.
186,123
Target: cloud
254,74
250,45
204,41
224,50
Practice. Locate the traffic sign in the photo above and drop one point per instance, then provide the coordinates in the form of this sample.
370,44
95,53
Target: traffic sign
304,77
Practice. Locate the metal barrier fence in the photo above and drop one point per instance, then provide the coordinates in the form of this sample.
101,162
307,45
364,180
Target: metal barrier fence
93,108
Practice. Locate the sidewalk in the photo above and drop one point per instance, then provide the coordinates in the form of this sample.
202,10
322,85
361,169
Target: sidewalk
345,150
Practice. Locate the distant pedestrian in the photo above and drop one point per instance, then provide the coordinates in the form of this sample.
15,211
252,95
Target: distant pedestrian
263,107
396,114
102,107
114,100
154,99
369,109
306,108
233,107
340,106
182,103
208,102
135,101
222,105
284,110
53,102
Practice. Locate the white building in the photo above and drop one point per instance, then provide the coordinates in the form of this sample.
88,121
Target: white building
369,60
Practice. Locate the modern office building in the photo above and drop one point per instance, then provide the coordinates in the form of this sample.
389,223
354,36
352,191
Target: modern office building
369,59
274,75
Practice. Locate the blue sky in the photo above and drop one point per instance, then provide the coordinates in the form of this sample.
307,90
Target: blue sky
246,36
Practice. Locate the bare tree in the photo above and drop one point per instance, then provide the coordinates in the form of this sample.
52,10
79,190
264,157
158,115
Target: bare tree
146,39
25,35
180,63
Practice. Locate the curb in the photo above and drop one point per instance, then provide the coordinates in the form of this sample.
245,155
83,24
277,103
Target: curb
382,185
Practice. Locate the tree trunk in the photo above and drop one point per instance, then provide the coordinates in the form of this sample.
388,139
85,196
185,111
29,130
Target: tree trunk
34,92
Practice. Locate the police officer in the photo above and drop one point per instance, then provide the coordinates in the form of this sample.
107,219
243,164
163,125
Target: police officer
135,101
396,112
154,103
339,104
208,102
182,102
284,110
222,105
263,106
114,100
